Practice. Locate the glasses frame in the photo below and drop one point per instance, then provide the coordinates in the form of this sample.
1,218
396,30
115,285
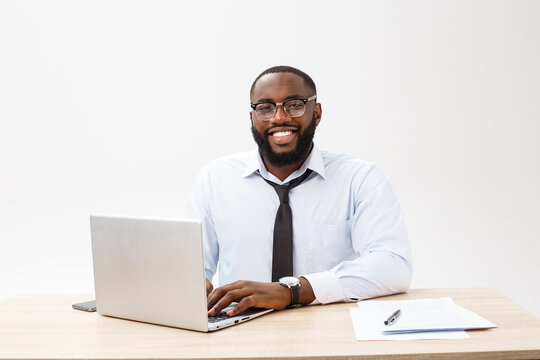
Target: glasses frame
305,101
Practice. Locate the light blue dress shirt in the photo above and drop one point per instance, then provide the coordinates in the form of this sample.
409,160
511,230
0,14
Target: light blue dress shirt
349,240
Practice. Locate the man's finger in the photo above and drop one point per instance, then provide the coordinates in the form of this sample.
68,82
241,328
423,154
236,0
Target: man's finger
226,300
242,306
217,294
209,287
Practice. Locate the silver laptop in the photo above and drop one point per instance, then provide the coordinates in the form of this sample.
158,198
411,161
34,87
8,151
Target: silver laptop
153,271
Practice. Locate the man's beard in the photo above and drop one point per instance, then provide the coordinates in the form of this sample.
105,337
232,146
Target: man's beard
295,156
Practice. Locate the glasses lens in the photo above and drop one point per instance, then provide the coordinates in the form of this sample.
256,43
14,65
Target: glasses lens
265,111
294,107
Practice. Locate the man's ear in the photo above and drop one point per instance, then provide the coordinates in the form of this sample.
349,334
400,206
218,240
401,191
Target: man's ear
251,117
318,113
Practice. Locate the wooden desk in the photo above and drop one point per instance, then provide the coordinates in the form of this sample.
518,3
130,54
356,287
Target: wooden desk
45,327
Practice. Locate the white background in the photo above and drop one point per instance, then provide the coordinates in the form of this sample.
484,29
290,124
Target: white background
113,107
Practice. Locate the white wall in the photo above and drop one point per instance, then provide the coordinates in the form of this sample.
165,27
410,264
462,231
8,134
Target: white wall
113,106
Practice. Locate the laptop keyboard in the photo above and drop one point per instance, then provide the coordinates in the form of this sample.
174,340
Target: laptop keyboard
220,316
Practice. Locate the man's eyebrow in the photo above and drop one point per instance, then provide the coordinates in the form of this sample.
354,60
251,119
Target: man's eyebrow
294,97
272,100
263,101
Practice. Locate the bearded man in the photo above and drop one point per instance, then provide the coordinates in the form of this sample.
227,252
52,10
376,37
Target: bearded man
289,224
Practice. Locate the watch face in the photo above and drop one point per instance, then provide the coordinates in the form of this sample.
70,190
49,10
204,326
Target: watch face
289,280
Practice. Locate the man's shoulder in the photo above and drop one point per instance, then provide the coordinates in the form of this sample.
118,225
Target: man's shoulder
346,168
361,176
336,160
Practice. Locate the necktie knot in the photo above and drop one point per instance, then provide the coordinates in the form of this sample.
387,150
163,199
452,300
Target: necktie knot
283,190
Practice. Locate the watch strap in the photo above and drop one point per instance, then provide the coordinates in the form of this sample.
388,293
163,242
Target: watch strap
295,294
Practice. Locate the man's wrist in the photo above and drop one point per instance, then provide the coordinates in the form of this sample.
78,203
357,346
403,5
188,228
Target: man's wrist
307,296
286,294
293,284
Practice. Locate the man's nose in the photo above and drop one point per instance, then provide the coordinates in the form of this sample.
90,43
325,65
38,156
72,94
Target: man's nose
281,116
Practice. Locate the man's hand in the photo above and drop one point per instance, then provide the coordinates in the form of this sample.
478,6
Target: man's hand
209,287
248,294
255,294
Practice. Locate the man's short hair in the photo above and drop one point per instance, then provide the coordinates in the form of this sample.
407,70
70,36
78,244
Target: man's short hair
308,81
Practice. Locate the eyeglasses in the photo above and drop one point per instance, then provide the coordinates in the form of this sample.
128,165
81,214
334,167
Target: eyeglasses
293,107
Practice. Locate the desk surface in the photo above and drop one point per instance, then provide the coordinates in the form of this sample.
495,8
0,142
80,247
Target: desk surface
46,327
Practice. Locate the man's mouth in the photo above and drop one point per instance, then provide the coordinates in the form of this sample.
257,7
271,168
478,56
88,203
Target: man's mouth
282,136
282,133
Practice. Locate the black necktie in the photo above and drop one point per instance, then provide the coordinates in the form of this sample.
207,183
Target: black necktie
282,258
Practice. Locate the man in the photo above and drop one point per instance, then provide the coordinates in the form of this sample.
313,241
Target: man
346,239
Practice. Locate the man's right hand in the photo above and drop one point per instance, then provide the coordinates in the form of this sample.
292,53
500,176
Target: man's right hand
209,287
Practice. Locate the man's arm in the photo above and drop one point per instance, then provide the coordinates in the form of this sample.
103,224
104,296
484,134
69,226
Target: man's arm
256,294
198,208
378,235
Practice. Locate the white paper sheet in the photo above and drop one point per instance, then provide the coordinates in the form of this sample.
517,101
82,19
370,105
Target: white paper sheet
419,319
366,327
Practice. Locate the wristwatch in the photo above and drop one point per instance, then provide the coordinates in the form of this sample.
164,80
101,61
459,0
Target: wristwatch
294,284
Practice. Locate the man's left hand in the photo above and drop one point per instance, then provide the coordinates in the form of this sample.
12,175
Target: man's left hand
248,294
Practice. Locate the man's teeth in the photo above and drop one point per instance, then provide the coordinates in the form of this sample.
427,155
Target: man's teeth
282,133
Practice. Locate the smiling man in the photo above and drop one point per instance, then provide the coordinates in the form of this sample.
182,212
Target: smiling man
290,224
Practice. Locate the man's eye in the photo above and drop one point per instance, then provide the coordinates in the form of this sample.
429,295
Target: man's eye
265,107
295,105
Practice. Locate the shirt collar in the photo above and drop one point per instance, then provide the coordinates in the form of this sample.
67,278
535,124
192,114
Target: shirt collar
314,162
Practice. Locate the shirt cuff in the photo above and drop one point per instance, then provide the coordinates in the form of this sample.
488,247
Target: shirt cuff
326,287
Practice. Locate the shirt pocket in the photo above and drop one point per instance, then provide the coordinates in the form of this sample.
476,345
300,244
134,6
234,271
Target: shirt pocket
330,244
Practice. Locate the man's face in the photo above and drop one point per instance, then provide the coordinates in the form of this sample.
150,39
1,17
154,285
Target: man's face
284,140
